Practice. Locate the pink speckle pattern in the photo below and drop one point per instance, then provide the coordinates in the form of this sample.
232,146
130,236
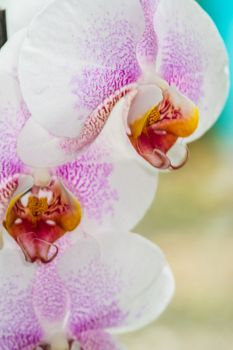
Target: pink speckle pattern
147,49
10,126
111,44
98,340
95,123
88,178
49,293
19,327
94,293
182,63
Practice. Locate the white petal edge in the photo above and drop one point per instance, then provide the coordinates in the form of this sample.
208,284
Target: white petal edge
36,147
51,59
187,16
21,12
143,279
17,313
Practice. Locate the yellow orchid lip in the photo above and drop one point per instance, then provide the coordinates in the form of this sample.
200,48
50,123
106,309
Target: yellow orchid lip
158,130
178,124
150,117
181,127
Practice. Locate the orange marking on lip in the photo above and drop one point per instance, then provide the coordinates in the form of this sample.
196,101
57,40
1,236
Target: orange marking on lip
161,126
29,225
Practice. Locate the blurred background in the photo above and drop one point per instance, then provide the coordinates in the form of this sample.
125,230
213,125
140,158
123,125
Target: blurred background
192,221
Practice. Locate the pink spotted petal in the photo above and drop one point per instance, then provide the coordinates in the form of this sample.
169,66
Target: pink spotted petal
98,340
114,190
50,297
13,111
192,56
116,280
147,48
19,326
90,57
37,147
95,122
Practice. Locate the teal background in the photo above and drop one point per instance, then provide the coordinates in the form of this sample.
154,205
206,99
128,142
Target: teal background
222,13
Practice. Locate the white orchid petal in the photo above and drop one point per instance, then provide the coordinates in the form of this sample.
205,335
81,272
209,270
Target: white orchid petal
147,48
148,96
19,328
115,188
98,340
13,111
37,147
25,182
193,57
22,141
115,135
116,281
50,298
65,74
21,12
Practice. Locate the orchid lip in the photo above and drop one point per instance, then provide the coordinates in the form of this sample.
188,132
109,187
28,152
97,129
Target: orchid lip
37,219
156,132
39,245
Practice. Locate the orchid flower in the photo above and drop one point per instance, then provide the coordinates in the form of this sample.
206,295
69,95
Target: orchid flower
100,285
40,205
163,58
